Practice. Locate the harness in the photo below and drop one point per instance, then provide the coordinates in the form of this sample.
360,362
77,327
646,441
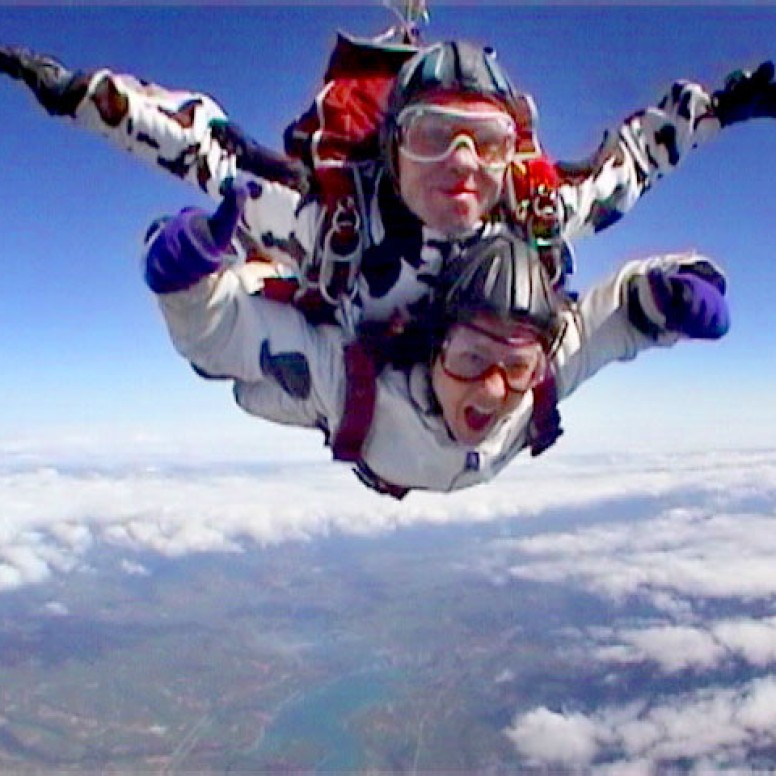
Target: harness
338,139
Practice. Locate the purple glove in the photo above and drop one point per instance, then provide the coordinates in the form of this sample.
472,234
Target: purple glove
688,300
193,244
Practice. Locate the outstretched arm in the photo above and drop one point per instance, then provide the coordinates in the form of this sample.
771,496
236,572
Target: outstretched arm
651,144
655,302
184,133
295,371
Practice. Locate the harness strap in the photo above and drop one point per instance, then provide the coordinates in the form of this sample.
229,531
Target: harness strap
544,428
360,397
372,480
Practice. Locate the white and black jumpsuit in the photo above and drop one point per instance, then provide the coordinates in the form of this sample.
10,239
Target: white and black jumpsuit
189,135
288,371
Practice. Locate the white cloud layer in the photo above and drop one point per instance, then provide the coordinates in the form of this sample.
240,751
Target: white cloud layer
713,553
677,648
706,534
52,512
713,727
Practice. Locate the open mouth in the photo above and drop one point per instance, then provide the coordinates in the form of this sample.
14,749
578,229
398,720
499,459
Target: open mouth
477,421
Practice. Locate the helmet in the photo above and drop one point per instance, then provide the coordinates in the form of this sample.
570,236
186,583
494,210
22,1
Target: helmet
460,67
498,275
503,276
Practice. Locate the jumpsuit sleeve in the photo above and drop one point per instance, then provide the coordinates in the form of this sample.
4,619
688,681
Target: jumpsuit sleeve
188,135
598,330
184,132
283,368
648,145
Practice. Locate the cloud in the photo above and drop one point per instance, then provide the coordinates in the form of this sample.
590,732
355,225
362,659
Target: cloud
700,551
561,739
673,648
677,648
674,533
714,726
53,511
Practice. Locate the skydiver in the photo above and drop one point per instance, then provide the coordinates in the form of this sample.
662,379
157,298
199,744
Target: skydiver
447,162
482,375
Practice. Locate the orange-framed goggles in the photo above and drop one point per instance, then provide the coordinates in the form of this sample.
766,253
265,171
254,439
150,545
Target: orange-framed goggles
470,353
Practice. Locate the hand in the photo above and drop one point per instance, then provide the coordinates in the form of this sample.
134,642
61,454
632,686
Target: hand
188,247
746,95
57,89
687,300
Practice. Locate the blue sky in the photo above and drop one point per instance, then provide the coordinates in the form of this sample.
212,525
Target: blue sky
85,357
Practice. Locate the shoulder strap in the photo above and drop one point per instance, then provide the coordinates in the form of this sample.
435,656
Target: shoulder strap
360,398
544,428
336,139
534,208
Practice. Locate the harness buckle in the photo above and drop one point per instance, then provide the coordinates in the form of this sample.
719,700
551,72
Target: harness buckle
341,252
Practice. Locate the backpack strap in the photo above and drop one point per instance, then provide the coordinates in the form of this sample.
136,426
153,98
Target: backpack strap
337,139
534,208
372,480
544,427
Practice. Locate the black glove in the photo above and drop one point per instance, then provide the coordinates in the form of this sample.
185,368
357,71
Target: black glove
57,89
746,95
688,300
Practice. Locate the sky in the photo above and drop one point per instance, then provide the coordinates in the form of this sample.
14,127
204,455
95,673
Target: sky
83,350
106,436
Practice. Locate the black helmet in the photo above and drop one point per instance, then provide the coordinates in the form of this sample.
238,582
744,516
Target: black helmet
500,275
503,276
461,67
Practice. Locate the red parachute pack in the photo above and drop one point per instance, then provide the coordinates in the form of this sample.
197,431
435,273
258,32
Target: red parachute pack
334,137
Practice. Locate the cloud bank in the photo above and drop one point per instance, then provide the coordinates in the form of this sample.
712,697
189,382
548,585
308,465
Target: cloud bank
715,728
689,585
52,512
691,538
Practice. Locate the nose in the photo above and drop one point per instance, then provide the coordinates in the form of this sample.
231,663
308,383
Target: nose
494,384
463,155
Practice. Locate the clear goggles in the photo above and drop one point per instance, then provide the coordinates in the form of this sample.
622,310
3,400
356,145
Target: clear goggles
470,354
430,133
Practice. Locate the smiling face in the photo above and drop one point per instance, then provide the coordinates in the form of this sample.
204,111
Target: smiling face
452,194
484,370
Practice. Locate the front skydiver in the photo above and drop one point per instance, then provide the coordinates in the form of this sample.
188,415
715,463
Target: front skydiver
466,404
447,161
